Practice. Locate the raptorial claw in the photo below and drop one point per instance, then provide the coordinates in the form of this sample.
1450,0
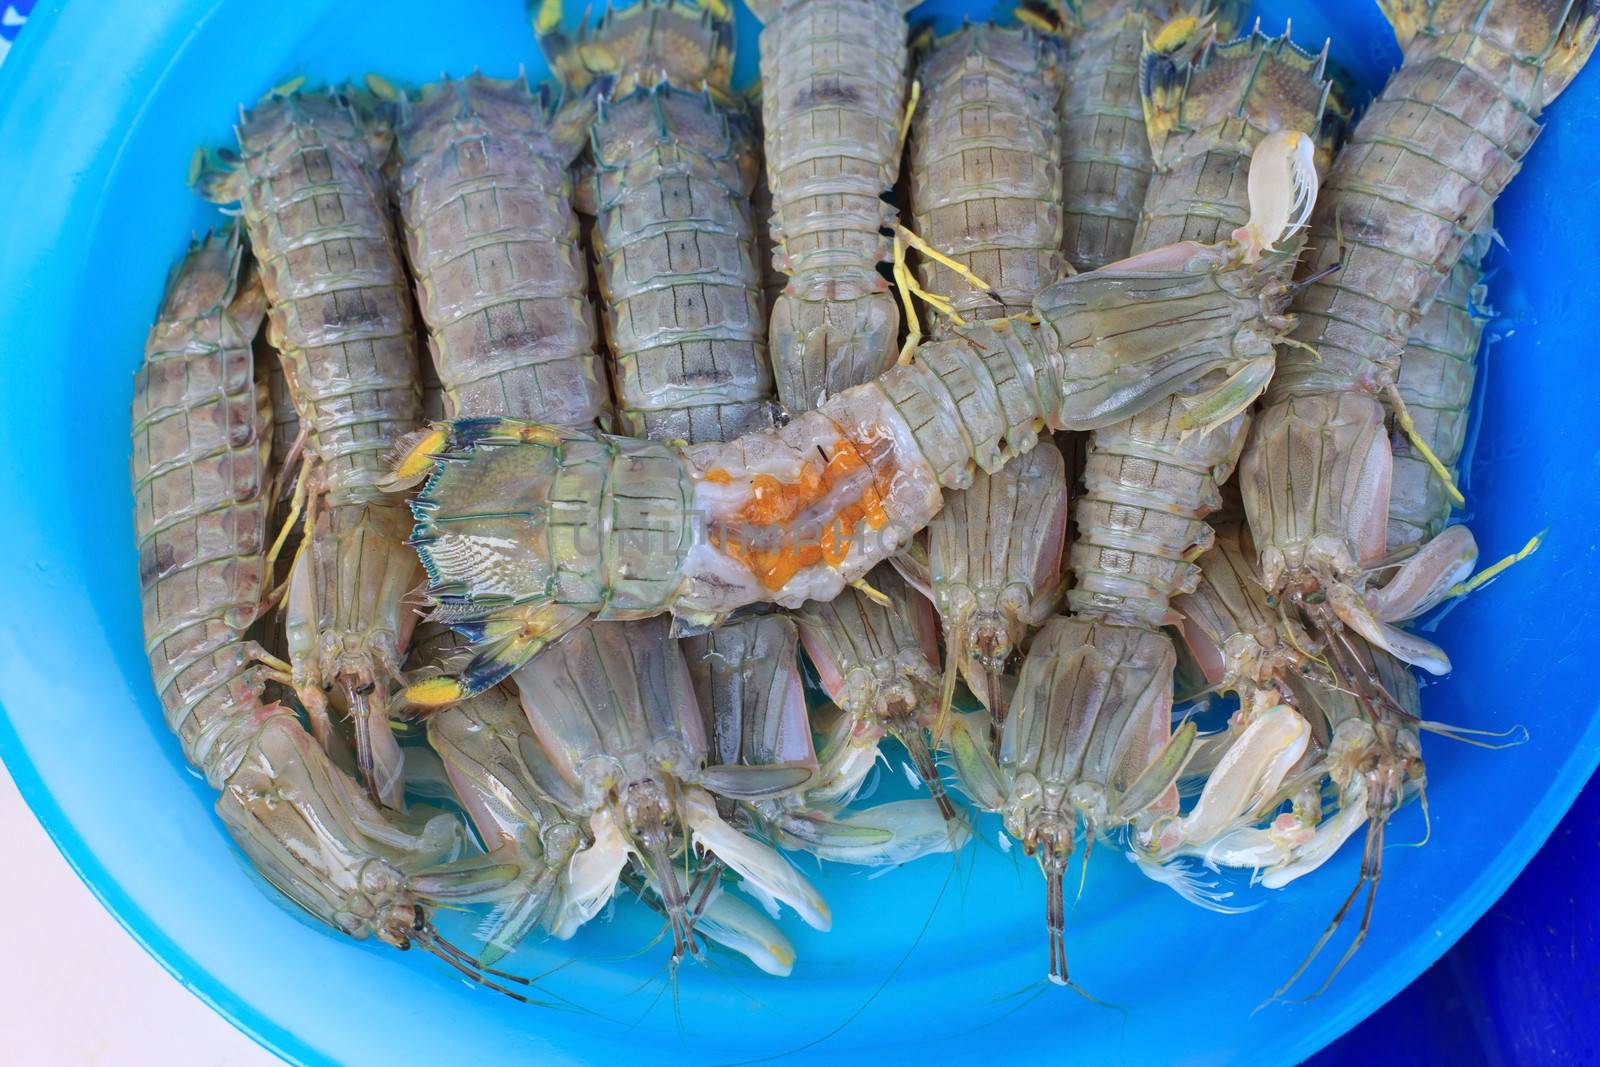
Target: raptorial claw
1283,189
763,868
1349,606
1425,580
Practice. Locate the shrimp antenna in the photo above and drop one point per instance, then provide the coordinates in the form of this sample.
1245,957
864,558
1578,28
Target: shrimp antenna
1427,818
431,941
1371,870
1373,862
916,747
462,968
1312,279
953,652
1510,738
440,947
1055,918
1083,864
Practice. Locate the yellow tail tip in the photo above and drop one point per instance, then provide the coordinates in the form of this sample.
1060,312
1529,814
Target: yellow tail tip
383,88
1175,34
418,459
434,693
547,16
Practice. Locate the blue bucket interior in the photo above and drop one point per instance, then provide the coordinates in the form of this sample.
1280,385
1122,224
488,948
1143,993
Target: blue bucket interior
100,109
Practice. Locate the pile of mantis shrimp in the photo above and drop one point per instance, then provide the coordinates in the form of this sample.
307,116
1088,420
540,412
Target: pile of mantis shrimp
624,461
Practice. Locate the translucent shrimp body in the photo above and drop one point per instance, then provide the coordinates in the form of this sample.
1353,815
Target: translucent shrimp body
201,433
316,209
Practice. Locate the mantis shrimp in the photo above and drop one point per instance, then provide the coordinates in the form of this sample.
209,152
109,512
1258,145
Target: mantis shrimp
985,183
528,530
497,768
340,314
203,497
833,99
615,715
1105,151
1401,202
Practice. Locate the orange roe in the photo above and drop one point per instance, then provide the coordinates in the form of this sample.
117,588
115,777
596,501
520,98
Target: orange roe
774,503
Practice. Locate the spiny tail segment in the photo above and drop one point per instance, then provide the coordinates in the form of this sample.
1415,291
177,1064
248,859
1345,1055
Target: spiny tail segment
1106,160
1205,113
511,476
687,43
1555,37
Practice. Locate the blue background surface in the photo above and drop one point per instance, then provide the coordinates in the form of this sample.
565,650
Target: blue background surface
98,117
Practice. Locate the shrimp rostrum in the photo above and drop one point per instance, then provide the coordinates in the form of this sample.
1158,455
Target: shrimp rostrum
312,200
201,435
527,530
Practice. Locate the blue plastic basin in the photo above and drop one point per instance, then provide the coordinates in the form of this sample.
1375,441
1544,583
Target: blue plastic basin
100,108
